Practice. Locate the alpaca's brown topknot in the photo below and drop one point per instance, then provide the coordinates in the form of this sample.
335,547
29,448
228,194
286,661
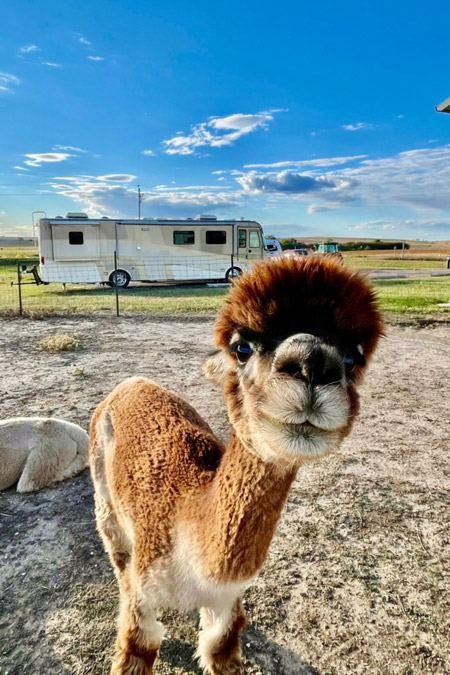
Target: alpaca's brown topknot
287,295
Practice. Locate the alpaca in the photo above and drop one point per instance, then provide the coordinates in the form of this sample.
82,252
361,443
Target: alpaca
186,521
38,451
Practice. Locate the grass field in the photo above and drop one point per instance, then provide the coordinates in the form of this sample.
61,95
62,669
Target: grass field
399,296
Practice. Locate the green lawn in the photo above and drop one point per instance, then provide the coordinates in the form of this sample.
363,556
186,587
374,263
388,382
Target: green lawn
399,296
372,262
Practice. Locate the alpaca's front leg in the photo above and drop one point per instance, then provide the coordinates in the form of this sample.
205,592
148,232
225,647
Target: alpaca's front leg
219,650
139,635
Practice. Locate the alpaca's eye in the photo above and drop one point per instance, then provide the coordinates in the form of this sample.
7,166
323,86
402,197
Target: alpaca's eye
349,364
243,352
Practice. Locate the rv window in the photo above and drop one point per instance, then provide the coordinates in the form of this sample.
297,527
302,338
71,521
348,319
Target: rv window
242,238
216,237
76,238
254,240
183,237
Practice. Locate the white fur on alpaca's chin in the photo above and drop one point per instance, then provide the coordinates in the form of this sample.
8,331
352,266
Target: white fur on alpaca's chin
273,442
38,451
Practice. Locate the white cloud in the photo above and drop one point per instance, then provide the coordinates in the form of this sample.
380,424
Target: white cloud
117,200
417,178
149,153
319,208
70,148
96,58
52,65
21,168
38,159
358,126
30,48
172,188
7,81
432,225
84,41
211,134
324,161
117,178
286,182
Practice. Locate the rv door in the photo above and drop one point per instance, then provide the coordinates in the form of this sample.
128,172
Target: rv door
75,242
249,244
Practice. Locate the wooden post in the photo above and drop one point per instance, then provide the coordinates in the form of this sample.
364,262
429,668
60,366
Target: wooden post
19,284
116,290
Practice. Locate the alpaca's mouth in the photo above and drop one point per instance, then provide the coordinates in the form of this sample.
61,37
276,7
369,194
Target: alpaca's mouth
305,429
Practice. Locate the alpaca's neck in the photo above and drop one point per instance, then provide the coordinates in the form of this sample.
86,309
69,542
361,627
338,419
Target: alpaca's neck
239,512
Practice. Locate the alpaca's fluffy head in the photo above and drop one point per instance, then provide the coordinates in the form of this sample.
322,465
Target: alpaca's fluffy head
294,337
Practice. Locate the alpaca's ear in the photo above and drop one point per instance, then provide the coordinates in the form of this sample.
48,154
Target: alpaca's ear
217,366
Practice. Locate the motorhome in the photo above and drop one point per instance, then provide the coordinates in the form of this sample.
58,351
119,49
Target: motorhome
78,249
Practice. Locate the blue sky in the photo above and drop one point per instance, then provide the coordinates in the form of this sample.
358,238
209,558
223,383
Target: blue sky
314,119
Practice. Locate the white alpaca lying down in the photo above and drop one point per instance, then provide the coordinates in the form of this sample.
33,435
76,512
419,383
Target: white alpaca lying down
37,451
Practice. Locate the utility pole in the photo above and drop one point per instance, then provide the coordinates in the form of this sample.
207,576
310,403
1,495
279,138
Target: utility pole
140,195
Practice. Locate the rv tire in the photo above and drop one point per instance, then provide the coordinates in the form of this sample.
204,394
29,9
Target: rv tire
123,279
233,273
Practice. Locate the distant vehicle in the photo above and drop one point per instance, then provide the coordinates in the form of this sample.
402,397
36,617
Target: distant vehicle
78,249
328,247
295,252
273,246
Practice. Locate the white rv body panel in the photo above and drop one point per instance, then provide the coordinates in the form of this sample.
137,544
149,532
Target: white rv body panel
81,250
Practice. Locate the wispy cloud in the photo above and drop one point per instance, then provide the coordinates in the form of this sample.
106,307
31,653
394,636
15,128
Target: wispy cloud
52,65
70,148
21,168
319,208
28,49
84,40
118,178
429,225
359,126
149,153
117,200
96,58
324,161
418,179
7,81
217,132
45,157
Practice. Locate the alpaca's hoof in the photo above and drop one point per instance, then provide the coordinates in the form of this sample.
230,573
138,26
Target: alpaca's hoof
126,663
231,667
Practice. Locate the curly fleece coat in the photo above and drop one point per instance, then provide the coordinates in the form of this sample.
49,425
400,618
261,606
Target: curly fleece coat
186,521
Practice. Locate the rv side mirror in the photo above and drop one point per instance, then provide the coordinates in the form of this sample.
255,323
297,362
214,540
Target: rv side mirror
23,268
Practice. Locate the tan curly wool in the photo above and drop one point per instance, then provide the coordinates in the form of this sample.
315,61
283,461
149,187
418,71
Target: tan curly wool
188,522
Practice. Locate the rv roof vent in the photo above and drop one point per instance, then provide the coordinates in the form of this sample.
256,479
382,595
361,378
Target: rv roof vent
104,218
59,218
205,217
76,215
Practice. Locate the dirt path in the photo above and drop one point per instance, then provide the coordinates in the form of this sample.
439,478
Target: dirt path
357,577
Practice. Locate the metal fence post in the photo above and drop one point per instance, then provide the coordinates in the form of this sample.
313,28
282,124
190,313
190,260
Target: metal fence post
116,289
19,284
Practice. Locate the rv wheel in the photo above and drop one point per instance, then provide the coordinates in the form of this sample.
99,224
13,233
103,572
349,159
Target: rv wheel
121,280
233,273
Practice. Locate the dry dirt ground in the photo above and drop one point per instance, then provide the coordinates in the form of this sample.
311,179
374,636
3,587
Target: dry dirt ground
357,576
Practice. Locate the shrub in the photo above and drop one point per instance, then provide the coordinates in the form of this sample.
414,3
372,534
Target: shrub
59,343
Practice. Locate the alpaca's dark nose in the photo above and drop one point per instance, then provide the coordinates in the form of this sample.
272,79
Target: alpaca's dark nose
307,358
